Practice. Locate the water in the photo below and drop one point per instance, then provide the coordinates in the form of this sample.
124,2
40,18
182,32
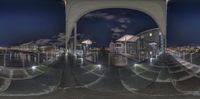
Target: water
24,59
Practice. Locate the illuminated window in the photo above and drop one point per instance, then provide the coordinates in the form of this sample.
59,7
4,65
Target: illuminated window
150,34
150,52
160,33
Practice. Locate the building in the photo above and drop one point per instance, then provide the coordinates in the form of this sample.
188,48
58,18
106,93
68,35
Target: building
144,45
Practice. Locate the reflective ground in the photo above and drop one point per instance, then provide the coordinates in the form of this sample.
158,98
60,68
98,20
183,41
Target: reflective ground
165,78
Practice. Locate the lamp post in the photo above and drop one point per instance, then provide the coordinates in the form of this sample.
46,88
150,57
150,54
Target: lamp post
5,58
191,59
75,38
161,42
125,45
87,44
153,45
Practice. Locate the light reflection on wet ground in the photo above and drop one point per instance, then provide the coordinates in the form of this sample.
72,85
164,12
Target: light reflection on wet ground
165,79
25,74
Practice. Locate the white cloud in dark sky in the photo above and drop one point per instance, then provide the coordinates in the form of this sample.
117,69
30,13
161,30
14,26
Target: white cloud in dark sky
117,29
97,14
60,39
124,26
57,40
116,35
42,41
124,20
105,16
109,17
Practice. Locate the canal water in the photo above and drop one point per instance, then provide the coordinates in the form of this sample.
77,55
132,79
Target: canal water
24,59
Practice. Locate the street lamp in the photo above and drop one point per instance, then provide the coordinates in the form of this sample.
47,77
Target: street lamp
34,67
191,59
99,65
150,34
153,45
87,43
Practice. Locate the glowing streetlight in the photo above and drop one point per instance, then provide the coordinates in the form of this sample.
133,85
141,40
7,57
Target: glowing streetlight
87,42
99,65
150,34
34,67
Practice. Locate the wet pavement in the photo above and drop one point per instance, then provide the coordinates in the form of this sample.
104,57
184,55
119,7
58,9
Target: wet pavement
46,81
166,78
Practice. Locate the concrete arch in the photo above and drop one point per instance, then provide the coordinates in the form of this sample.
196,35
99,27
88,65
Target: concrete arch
75,9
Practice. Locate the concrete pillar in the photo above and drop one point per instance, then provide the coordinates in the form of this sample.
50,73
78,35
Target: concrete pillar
75,38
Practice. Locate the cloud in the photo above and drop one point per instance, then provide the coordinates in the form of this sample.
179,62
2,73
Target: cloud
61,37
105,16
124,26
26,44
109,17
42,41
56,40
124,20
116,35
97,14
117,29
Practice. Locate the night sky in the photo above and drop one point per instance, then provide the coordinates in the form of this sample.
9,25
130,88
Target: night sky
183,22
26,20
102,26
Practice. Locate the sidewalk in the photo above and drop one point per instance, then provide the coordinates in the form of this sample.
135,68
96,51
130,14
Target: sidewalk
195,68
43,84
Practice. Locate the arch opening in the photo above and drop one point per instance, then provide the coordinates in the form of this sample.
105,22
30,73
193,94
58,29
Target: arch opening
112,38
104,27
109,48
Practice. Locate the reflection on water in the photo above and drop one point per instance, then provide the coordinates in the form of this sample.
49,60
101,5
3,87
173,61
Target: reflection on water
103,72
25,59
20,65
26,72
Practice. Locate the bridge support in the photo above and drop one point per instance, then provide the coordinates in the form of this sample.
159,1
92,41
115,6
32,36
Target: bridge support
75,9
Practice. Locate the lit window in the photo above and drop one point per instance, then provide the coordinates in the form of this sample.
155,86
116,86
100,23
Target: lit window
150,34
160,33
150,52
